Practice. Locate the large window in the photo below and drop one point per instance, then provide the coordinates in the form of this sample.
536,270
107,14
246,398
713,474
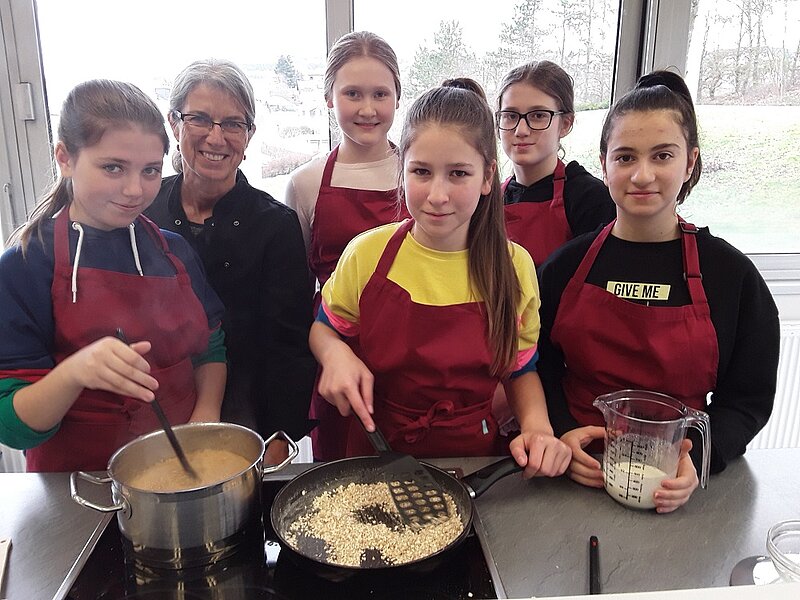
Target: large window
741,59
743,67
86,40
486,41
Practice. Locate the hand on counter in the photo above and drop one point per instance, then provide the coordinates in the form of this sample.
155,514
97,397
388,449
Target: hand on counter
584,468
540,453
674,493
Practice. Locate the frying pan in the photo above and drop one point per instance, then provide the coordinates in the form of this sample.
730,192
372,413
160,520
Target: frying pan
295,499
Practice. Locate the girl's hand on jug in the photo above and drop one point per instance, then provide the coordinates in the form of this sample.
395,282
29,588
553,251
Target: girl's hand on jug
675,492
584,468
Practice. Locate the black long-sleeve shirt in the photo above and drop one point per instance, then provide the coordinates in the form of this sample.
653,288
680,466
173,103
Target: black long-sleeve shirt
587,202
742,310
253,252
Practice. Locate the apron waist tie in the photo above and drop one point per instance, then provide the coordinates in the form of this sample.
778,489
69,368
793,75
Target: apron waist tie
415,427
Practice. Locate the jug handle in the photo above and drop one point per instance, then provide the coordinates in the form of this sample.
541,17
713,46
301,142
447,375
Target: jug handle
701,421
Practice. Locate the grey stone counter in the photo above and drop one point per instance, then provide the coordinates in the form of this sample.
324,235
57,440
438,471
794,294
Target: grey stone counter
538,531
48,533
535,532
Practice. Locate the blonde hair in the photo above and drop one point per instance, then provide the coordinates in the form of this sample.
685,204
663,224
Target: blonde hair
354,45
491,268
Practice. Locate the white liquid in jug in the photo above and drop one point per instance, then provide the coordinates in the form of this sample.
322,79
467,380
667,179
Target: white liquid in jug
633,483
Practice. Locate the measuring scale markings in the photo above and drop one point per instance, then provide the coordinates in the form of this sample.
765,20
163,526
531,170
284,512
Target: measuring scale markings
629,478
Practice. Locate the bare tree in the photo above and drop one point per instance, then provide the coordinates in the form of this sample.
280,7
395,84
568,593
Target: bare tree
449,57
520,40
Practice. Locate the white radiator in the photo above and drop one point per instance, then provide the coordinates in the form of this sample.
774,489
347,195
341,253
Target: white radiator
783,428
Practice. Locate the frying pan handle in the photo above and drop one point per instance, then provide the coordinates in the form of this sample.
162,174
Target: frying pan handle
481,480
73,488
293,451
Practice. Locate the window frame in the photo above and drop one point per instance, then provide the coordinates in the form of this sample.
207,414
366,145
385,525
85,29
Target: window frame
24,119
646,34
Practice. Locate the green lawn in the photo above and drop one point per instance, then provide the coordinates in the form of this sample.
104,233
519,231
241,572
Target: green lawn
749,192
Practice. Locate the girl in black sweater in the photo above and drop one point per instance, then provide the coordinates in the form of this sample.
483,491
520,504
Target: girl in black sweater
651,302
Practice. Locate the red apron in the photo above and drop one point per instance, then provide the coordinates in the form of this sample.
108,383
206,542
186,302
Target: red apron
340,215
432,366
540,227
611,344
162,310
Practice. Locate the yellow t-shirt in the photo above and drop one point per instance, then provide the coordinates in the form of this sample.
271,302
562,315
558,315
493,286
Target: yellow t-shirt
430,277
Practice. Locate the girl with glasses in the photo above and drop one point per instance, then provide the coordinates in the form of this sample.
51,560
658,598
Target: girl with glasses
445,307
652,302
354,187
546,201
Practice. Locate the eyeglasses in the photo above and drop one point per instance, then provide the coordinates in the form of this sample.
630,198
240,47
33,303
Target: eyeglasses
206,124
538,119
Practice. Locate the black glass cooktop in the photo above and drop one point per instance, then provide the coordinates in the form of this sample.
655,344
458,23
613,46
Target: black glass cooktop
261,570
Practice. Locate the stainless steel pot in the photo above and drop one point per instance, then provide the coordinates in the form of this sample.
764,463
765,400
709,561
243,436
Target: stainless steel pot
191,527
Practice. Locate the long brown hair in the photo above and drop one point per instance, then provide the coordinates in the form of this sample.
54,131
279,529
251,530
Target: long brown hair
91,109
491,269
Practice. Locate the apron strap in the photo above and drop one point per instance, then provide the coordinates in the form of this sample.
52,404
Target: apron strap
327,173
559,177
392,247
588,260
691,262
61,239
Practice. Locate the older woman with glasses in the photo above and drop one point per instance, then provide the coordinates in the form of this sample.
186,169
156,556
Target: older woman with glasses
252,249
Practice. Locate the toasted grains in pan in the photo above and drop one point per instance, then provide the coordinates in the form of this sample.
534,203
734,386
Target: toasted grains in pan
338,518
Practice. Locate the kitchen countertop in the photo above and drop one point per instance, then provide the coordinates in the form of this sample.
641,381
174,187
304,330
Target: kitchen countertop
536,531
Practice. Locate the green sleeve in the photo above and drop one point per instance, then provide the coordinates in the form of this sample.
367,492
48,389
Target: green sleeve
216,349
13,432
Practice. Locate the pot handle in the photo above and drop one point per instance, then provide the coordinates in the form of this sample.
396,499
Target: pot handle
73,488
481,480
294,450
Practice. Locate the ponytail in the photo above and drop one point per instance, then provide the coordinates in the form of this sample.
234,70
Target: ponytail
491,269
660,90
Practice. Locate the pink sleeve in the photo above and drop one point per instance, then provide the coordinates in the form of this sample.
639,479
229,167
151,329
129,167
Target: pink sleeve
341,325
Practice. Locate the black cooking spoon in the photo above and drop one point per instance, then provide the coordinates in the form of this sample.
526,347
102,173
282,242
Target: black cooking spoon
162,418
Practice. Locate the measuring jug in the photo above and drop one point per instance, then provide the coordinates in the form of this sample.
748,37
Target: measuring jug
644,431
